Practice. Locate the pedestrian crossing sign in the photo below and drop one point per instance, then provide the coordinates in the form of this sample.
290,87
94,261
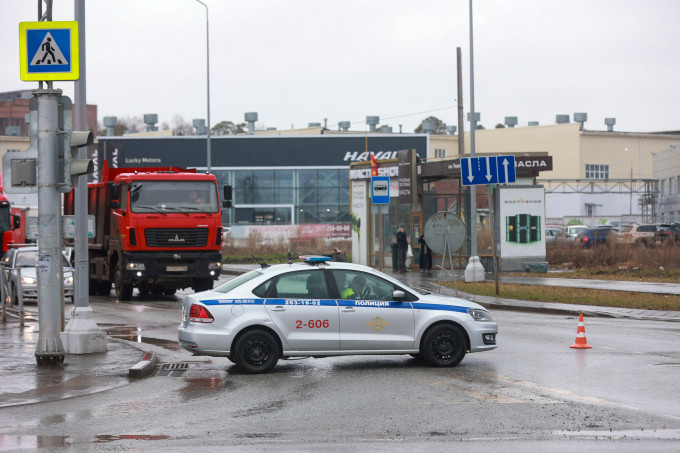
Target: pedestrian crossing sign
49,51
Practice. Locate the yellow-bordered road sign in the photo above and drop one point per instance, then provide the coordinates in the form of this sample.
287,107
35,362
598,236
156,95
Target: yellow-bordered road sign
49,51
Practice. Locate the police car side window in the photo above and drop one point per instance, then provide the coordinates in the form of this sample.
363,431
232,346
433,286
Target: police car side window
261,291
301,285
372,287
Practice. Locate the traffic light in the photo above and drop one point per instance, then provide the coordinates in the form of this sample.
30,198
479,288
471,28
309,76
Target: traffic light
73,166
226,200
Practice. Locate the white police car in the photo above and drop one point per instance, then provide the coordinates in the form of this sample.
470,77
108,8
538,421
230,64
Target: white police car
320,308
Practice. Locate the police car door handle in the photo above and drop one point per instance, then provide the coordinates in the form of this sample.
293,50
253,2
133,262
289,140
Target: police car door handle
279,308
348,310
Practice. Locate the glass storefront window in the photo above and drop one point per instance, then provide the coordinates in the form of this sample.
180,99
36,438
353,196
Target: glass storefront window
319,195
327,178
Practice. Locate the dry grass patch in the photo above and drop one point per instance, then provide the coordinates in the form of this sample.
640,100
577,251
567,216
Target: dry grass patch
577,296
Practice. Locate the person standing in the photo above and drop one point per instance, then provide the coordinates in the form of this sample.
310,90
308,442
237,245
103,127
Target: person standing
425,255
402,248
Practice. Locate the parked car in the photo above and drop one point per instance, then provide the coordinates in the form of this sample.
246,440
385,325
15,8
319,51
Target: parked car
573,231
637,235
555,235
667,234
595,236
619,226
324,308
26,259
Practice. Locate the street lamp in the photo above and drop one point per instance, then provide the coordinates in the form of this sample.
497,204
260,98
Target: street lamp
207,50
631,183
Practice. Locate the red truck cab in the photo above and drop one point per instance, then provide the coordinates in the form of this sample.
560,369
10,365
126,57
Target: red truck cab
157,229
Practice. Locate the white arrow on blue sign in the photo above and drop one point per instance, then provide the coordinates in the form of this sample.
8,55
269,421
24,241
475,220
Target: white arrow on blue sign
475,171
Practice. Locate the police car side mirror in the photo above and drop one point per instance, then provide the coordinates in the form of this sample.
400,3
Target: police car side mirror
398,295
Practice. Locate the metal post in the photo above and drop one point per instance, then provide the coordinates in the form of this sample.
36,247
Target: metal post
81,335
474,271
473,127
50,271
207,47
81,281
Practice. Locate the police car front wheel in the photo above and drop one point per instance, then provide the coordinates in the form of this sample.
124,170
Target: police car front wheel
256,351
443,345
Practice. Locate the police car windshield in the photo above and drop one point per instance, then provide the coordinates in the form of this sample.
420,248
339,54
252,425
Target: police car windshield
238,281
401,284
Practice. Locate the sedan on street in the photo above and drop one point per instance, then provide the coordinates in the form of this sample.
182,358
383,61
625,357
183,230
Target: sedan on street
320,308
26,259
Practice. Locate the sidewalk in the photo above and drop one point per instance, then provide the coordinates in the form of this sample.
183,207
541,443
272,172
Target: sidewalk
24,382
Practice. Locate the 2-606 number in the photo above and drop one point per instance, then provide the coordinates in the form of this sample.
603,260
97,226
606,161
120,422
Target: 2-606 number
312,324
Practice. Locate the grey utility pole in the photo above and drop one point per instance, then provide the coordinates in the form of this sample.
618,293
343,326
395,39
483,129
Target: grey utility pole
50,271
81,335
207,56
474,270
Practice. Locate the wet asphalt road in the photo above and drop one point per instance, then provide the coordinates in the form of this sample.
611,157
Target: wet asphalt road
533,393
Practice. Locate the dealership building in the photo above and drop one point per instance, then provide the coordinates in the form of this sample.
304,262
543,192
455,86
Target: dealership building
287,186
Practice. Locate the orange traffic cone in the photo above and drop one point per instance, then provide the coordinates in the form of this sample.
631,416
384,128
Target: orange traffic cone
581,342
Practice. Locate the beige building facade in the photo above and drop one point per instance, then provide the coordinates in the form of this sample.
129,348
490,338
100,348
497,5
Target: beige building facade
597,176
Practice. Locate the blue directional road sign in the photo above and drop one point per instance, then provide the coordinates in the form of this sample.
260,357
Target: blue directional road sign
476,171
380,189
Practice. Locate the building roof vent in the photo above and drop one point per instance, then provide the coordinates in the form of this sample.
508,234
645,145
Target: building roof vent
451,130
533,123
110,122
150,119
428,127
511,121
343,125
314,125
199,125
580,118
610,122
562,119
385,129
372,122
250,118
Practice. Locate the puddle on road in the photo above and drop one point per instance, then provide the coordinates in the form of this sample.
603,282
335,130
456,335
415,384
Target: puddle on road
135,334
31,442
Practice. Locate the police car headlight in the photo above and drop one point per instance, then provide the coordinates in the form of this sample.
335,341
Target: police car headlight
28,280
479,315
68,280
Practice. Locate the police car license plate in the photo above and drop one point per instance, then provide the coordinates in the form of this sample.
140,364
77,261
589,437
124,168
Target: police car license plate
177,268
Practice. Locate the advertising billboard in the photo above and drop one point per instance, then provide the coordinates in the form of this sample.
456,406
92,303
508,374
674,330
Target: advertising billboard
521,219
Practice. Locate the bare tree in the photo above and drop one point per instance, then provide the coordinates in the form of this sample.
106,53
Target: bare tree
228,128
439,126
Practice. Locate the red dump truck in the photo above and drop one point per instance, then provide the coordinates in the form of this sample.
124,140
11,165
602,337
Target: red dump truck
12,222
157,229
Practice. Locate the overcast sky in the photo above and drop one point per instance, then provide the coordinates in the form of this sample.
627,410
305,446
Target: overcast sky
300,61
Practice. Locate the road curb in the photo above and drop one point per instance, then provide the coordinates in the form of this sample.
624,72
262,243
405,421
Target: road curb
144,367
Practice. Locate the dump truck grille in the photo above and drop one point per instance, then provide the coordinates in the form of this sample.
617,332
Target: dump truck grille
176,237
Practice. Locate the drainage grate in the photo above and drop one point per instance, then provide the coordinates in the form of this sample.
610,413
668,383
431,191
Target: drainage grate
173,369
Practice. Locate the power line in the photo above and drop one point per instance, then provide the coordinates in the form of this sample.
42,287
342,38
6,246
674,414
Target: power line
404,116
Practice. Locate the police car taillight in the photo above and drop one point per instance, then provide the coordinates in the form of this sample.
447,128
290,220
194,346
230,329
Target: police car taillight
199,313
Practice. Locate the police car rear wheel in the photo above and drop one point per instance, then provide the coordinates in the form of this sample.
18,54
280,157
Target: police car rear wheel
256,351
443,345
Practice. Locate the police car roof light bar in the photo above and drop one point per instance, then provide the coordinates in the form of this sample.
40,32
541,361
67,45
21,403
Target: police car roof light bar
311,259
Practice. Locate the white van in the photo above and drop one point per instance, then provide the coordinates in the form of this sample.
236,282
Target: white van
574,230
